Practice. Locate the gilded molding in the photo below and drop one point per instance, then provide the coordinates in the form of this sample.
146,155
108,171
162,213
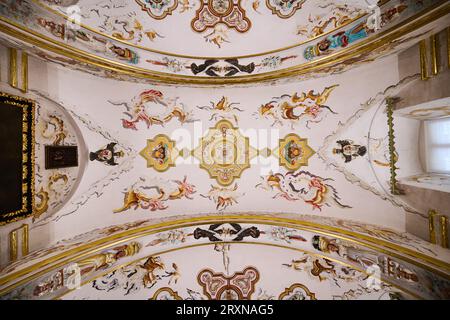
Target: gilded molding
14,242
13,246
382,246
12,67
25,239
24,68
434,44
444,231
431,228
423,60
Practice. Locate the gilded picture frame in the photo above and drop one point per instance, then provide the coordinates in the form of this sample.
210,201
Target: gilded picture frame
25,154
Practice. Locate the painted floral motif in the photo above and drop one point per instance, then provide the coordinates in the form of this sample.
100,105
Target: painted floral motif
283,234
294,108
125,27
128,28
218,35
336,15
240,286
185,5
305,186
160,153
153,108
172,237
223,197
274,62
284,8
173,65
158,9
50,194
140,194
53,129
223,110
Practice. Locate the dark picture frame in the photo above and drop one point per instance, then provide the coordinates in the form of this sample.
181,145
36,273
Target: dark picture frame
17,136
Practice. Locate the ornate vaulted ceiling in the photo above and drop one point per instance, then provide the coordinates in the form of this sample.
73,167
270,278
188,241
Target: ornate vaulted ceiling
216,28
178,186
215,41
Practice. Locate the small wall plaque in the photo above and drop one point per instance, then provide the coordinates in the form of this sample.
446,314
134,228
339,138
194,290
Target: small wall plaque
61,157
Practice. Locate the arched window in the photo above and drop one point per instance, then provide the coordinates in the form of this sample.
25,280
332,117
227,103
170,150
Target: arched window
437,143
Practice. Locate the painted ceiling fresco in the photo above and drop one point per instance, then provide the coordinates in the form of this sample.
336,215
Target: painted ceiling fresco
229,276
162,153
234,260
156,152
168,172
215,27
216,39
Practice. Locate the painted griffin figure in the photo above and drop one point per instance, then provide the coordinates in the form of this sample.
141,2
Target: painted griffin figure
153,108
152,194
137,276
294,108
304,186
